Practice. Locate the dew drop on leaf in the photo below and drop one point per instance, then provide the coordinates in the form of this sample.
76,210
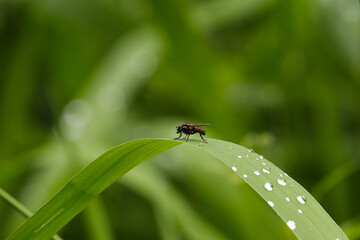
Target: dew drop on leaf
239,156
268,186
257,173
300,211
245,176
301,199
234,169
266,170
281,181
291,224
250,150
287,199
261,156
271,204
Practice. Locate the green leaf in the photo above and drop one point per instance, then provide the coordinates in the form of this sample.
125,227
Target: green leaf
284,194
19,207
87,185
276,187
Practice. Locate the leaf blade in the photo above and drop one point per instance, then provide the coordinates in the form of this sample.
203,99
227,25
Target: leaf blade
312,223
87,184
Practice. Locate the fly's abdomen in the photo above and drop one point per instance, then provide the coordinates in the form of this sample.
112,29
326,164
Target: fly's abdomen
200,130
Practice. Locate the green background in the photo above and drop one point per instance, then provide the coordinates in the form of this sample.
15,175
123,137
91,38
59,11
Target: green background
280,77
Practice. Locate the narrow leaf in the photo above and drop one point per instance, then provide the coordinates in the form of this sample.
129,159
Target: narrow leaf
88,184
299,210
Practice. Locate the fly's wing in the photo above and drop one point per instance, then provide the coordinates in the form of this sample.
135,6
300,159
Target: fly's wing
203,124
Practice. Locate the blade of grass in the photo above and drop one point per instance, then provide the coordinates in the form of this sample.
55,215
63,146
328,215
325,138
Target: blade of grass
352,228
15,204
87,184
97,221
19,207
290,200
296,207
334,178
169,201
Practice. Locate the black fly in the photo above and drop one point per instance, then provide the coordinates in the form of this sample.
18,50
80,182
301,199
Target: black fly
189,129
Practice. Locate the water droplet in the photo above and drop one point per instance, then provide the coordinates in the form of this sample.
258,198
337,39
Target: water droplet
261,156
268,186
271,204
281,175
287,199
338,239
230,146
239,156
266,170
301,199
250,150
257,173
281,181
286,174
247,155
263,163
234,169
291,224
257,159
300,211
245,176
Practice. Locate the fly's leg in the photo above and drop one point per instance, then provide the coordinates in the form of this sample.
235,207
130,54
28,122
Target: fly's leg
187,137
203,138
178,136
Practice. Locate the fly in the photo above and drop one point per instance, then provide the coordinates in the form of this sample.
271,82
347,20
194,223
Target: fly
189,129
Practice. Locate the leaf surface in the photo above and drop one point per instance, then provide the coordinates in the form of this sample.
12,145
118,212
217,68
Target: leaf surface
299,210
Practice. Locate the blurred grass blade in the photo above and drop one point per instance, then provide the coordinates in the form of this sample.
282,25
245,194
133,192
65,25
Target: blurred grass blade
172,208
97,221
20,208
15,204
352,227
335,177
290,200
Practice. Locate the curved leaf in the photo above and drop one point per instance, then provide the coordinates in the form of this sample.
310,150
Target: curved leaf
88,184
302,213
